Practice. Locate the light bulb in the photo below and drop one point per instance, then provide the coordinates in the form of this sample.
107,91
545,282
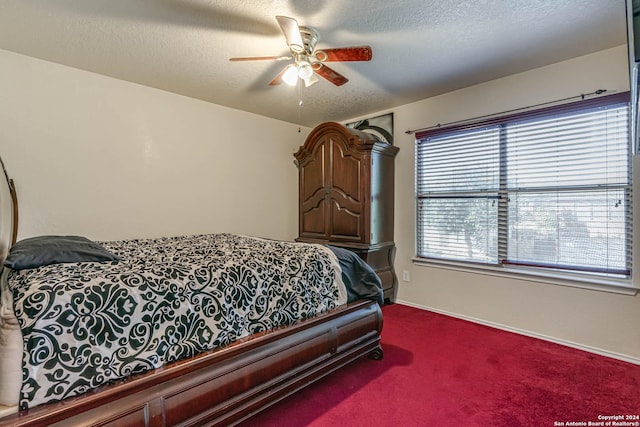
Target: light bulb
304,70
290,75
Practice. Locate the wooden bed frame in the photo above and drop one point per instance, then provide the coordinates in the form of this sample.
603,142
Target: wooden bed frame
220,387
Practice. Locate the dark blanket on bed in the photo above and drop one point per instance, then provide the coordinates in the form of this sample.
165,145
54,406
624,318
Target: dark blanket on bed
359,278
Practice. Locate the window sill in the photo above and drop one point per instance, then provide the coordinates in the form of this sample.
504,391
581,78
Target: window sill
604,284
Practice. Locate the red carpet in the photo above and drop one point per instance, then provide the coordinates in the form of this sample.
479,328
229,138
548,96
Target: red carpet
442,371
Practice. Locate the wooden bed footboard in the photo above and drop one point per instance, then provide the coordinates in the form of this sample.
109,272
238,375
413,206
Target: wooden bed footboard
225,386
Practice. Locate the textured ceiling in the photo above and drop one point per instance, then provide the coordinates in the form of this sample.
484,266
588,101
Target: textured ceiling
421,48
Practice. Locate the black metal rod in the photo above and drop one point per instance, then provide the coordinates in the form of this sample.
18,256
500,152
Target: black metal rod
581,96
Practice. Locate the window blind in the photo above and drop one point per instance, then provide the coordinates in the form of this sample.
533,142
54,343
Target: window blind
545,189
458,186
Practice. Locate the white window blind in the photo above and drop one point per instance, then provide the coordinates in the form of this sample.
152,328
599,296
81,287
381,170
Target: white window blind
458,189
549,189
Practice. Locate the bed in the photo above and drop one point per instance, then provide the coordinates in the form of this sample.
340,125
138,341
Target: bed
175,356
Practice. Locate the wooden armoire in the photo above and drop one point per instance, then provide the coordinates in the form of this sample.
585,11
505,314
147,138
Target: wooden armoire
346,186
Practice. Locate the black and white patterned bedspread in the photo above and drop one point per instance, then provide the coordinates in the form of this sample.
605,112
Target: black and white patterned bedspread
85,324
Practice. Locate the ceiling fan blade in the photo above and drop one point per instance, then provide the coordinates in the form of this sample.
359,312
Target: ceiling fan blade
331,75
291,32
355,53
260,58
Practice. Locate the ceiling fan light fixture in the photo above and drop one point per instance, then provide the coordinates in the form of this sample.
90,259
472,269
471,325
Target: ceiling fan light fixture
310,80
304,70
290,75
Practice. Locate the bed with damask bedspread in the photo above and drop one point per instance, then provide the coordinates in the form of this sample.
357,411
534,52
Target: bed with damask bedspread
191,330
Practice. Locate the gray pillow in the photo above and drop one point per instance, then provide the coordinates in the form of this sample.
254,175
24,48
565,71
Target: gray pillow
44,250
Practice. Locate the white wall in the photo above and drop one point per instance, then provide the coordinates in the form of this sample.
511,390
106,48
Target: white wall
109,159
601,321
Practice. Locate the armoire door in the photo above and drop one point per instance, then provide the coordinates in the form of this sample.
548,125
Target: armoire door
333,192
314,190
347,192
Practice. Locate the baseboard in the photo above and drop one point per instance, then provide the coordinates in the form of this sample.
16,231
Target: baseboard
8,410
595,350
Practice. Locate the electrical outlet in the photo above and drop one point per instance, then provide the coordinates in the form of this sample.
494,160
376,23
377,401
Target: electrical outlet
405,276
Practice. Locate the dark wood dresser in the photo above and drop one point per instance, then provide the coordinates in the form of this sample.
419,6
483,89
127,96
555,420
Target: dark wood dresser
346,185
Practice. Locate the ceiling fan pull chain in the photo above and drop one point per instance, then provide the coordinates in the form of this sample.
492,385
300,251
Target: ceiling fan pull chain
300,102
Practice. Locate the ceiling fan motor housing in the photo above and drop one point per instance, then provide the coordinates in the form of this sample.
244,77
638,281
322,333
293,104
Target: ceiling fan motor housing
309,39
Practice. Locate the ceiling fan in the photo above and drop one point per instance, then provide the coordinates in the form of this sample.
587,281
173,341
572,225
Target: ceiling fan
309,62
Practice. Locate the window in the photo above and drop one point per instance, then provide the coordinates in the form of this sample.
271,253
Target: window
548,190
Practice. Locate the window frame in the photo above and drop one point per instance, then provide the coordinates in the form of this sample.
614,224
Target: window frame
524,272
